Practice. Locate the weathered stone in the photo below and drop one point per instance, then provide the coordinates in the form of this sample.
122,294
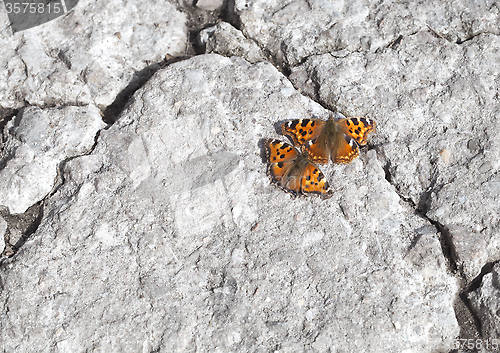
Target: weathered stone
486,303
209,5
3,230
37,141
226,40
89,55
295,30
170,237
434,102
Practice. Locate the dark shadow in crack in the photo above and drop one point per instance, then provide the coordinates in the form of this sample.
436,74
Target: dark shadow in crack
123,99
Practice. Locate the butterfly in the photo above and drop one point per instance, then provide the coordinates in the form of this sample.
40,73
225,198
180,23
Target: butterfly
293,171
322,140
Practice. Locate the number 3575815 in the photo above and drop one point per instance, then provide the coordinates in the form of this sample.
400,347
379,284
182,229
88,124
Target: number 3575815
33,8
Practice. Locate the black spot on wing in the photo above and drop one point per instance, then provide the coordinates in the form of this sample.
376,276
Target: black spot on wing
365,121
304,122
292,124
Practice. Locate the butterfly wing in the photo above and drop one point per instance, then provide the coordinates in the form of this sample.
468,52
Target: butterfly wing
280,157
292,171
345,150
313,180
302,130
358,128
305,177
318,150
332,139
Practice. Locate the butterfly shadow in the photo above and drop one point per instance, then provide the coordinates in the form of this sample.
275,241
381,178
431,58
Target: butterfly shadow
263,149
278,128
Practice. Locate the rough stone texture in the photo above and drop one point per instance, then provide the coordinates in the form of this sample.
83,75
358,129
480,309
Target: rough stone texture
168,237
226,40
37,140
294,30
209,5
3,230
434,102
88,56
486,302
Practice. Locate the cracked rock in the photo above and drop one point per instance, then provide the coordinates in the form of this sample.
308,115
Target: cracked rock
486,303
3,230
434,102
89,55
169,237
226,40
295,30
37,141
209,5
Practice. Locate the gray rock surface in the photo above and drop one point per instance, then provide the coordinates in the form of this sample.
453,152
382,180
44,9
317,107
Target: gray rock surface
295,30
37,140
226,40
486,301
163,232
170,237
434,102
3,230
89,55
209,5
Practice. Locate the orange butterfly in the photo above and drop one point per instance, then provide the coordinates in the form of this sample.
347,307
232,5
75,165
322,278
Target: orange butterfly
293,171
322,140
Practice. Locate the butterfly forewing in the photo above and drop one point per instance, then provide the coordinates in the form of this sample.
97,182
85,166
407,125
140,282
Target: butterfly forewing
279,156
293,171
358,128
302,130
337,140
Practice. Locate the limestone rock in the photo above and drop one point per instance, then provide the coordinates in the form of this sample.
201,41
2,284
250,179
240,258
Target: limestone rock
209,5
89,55
3,229
295,30
434,102
170,237
486,302
37,141
226,40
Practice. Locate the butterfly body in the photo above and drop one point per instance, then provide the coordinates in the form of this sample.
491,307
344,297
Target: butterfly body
322,140
292,170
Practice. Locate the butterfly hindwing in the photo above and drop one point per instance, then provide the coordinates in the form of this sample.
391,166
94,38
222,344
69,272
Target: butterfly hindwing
292,171
313,180
346,150
317,151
